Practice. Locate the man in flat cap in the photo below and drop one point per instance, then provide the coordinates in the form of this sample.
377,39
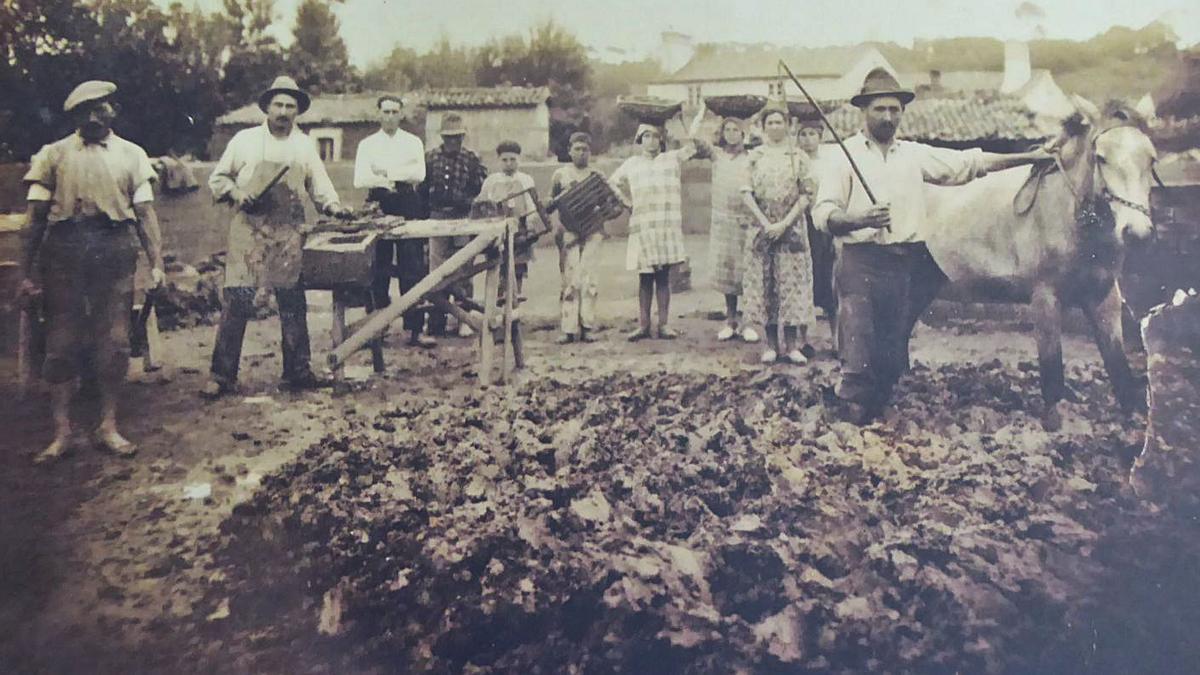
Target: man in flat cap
454,177
883,270
264,174
90,207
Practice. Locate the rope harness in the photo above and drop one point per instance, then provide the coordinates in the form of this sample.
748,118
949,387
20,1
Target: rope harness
1091,210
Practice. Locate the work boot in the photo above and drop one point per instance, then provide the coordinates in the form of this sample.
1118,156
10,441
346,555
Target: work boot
305,381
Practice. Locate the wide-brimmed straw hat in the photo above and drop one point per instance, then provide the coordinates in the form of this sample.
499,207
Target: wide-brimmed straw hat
92,90
285,85
879,82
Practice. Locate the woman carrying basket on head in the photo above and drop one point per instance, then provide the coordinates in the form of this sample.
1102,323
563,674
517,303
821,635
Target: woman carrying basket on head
731,221
650,185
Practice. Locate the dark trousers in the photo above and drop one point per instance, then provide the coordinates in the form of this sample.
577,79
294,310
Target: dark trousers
823,255
231,332
87,277
881,292
440,250
406,260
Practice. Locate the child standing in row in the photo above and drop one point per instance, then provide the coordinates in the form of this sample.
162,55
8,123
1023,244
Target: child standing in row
577,253
513,191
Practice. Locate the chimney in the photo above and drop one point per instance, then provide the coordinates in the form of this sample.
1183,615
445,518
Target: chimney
935,80
675,50
1017,69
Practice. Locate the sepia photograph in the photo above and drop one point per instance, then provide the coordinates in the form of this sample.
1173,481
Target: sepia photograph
634,336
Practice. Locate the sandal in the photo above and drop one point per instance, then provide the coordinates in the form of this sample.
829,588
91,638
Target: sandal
639,334
797,357
114,443
58,449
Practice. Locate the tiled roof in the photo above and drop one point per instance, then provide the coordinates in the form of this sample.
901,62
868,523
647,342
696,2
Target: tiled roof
960,119
730,62
348,108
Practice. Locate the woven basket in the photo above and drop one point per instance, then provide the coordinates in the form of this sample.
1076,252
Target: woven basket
741,106
805,110
649,109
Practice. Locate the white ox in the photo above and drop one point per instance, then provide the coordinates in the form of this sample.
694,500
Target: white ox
1056,238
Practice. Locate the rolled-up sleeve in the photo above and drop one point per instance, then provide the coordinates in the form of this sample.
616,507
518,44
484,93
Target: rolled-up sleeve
943,166
223,179
143,191
319,186
833,192
40,175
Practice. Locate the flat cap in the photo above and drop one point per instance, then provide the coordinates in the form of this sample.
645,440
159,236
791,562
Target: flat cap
88,91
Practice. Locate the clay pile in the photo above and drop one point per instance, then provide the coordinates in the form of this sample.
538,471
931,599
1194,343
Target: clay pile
192,295
688,523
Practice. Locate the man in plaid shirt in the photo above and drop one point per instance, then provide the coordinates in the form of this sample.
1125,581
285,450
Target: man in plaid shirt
454,176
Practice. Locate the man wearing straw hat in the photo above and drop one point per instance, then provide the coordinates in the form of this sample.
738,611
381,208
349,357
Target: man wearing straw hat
883,269
454,176
90,205
263,175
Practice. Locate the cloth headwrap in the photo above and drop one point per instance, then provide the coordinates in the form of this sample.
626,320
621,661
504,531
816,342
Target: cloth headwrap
643,128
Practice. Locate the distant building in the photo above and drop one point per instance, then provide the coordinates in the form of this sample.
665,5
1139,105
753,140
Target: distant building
1016,77
338,122
828,73
994,122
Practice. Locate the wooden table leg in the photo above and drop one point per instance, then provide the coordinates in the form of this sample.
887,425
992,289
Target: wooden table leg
509,297
338,330
518,341
377,363
487,346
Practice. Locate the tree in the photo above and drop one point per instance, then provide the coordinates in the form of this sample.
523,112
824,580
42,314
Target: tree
551,57
164,71
251,57
444,66
318,58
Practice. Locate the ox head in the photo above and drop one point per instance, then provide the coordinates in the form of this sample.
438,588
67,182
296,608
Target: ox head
1115,144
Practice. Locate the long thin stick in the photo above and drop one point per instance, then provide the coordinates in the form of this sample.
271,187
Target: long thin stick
836,137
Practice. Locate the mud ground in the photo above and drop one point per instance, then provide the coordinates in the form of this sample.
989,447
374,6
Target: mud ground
109,565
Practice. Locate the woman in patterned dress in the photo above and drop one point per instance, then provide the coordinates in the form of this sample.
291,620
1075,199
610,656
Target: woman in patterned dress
650,185
730,221
778,276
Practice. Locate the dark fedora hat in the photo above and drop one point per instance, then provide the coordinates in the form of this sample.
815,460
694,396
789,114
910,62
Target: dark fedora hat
285,85
879,82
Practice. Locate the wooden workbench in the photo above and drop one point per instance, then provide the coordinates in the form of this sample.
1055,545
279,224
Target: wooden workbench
493,238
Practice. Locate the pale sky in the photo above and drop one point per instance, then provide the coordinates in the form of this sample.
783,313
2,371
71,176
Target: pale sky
372,27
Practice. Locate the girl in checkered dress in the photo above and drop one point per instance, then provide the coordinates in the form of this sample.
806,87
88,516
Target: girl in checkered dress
651,187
